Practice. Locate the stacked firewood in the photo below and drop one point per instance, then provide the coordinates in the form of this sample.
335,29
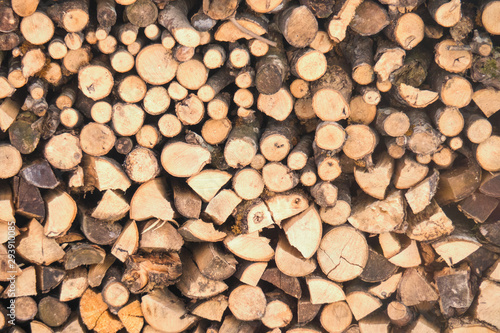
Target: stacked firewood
250,166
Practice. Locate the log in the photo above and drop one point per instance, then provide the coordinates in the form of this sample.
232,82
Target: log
331,254
74,284
369,19
252,299
288,23
333,88
289,260
391,214
173,17
344,14
323,291
53,312
199,231
165,311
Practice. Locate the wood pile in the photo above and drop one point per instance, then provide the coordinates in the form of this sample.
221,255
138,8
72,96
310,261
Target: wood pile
229,166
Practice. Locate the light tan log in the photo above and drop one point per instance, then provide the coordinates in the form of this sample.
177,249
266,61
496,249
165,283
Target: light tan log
278,177
10,157
334,257
97,139
487,154
278,105
407,30
361,141
337,25
174,18
247,303
332,92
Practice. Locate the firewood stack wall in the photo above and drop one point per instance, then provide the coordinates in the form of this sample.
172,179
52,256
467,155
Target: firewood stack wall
229,166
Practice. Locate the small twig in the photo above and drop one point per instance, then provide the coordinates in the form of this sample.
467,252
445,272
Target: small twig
251,33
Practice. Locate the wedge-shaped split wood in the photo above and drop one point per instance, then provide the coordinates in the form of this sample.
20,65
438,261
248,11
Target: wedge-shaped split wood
374,181
181,159
250,272
158,235
323,291
289,260
131,317
213,262
165,312
456,247
288,284
61,211
420,196
194,284
211,309
304,231
414,288
361,302
222,206
74,284
37,248
127,243
25,284
208,182
249,247
200,231
150,200
112,207
105,173
408,257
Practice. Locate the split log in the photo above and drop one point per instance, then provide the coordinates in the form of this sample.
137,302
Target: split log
337,25
289,260
165,311
199,231
391,213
